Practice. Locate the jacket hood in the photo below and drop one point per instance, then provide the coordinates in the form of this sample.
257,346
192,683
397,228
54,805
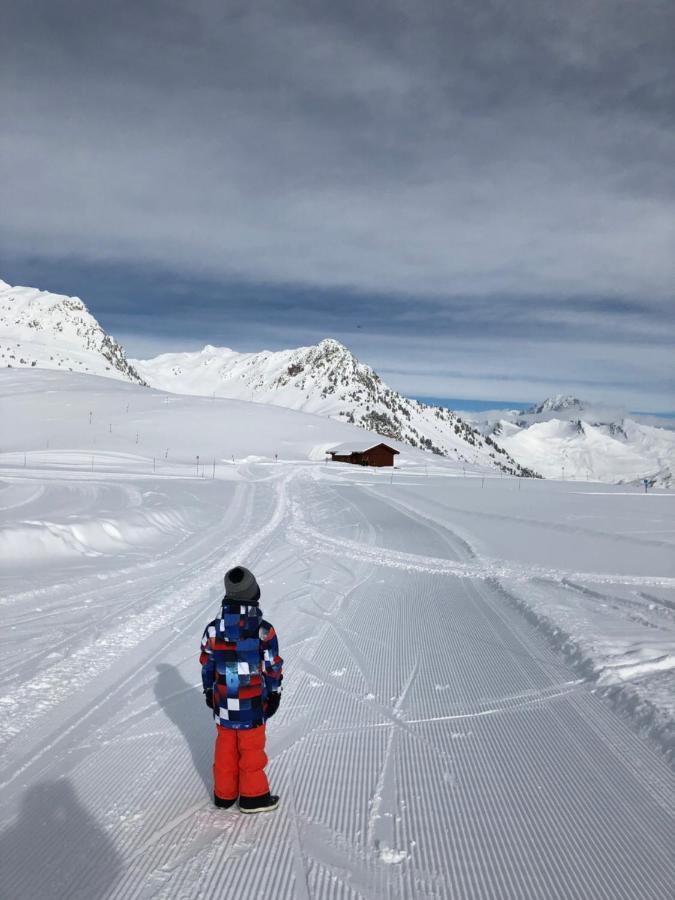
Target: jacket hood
231,605
239,619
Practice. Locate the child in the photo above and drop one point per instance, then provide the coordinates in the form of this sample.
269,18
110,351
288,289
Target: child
241,674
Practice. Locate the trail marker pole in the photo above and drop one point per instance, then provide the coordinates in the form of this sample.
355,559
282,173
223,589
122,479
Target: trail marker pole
214,467
166,453
136,437
198,466
482,482
90,415
110,428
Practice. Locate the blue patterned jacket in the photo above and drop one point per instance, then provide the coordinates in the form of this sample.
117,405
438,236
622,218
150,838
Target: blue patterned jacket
240,664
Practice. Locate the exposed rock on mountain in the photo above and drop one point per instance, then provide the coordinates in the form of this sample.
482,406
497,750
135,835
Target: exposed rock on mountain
328,380
51,331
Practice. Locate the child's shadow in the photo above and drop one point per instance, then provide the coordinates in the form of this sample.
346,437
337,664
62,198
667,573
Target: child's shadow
184,704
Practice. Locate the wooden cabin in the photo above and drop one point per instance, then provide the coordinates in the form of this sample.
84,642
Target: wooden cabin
364,454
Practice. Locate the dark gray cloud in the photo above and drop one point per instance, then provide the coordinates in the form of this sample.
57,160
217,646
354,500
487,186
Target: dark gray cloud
503,168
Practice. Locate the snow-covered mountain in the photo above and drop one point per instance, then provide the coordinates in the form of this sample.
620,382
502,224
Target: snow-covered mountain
565,437
561,437
559,403
42,330
328,380
39,329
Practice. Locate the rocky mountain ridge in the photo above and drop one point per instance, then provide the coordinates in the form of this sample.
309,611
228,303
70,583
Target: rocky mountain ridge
39,329
559,403
326,379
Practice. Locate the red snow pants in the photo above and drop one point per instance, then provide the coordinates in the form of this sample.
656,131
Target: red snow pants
239,763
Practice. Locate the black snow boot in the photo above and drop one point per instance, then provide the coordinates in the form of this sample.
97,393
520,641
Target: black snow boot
263,803
223,804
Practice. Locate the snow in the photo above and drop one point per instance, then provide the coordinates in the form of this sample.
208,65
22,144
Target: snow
583,451
558,403
478,694
354,447
564,437
328,380
42,330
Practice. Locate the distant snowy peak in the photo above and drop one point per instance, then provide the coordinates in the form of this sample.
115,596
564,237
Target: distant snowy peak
565,437
52,331
328,380
618,453
559,403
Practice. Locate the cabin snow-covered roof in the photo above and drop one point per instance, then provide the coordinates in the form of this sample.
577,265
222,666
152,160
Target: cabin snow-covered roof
359,447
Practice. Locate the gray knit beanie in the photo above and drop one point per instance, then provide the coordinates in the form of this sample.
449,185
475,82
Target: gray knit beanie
241,586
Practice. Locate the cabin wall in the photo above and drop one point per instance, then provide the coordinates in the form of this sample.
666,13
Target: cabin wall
378,456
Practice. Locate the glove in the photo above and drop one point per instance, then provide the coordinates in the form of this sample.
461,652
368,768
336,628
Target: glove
208,696
273,700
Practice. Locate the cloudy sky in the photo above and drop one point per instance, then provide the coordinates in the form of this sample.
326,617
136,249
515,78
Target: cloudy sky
476,197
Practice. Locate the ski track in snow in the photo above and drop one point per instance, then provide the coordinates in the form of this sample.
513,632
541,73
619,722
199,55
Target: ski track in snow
484,568
430,742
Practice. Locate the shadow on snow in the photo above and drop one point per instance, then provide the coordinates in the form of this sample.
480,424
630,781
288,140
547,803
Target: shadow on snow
184,705
56,850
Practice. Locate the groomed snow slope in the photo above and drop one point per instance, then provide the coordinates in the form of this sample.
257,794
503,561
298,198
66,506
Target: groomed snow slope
440,736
